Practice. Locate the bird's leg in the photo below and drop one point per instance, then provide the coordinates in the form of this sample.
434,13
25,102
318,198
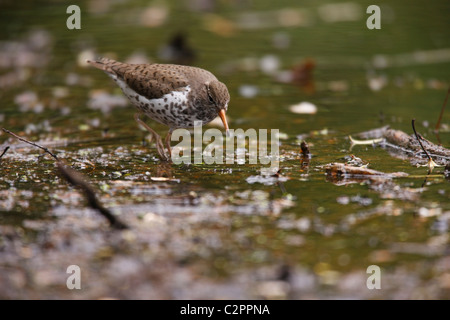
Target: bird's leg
167,142
139,121
158,142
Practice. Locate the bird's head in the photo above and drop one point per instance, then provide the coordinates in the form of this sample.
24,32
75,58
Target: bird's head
218,97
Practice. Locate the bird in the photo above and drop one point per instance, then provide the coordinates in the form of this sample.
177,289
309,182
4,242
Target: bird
174,95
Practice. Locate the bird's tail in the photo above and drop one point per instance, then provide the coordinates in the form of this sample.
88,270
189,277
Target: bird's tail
104,64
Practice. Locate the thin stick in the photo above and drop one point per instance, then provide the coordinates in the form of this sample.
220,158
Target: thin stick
418,139
32,143
431,164
438,124
78,180
4,151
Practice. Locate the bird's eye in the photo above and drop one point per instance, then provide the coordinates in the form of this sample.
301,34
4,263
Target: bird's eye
211,100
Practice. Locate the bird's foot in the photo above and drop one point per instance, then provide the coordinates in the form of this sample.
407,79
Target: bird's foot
158,141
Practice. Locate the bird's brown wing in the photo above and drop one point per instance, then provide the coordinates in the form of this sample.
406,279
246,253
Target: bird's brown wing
151,80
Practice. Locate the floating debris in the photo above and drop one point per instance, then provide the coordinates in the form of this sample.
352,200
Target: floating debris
29,101
78,180
154,16
300,75
355,142
138,57
363,201
338,85
83,56
33,50
281,40
159,179
345,171
219,25
75,79
248,91
104,101
376,83
338,12
304,108
99,6
266,180
275,289
418,57
269,64
408,145
286,17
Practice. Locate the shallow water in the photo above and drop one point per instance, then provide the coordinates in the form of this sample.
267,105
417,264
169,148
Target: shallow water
224,231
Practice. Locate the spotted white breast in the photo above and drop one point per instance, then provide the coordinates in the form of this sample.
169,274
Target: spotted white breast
171,109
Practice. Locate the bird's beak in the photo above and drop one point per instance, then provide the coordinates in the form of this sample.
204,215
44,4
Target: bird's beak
224,119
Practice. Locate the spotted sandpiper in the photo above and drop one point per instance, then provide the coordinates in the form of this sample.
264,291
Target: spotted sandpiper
174,95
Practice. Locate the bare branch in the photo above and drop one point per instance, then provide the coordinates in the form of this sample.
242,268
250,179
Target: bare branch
418,139
431,164
77,179
32,143
3,153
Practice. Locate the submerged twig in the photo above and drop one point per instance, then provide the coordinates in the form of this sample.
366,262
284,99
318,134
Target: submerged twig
77,179
4,151
32,143
431,164
418,138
